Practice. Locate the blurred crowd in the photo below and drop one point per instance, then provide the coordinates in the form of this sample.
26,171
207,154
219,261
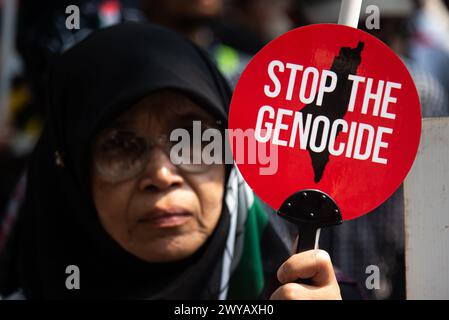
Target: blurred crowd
231,31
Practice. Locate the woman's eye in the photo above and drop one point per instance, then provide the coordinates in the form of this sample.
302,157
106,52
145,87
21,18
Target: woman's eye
124,142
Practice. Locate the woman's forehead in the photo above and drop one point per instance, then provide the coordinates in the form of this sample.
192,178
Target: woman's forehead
166,105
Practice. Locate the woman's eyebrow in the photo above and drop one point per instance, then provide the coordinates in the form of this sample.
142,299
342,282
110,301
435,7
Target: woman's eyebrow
189,117
122,124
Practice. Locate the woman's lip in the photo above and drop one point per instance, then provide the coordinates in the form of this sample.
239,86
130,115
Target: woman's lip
167,218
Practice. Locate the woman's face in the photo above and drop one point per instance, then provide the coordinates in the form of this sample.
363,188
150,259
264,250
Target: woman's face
161,213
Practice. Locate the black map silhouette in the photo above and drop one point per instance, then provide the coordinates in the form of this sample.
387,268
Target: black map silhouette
335,103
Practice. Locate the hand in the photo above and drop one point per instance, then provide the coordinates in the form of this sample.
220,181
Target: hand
313,264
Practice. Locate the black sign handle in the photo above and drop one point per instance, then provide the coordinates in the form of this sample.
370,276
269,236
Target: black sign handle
310,210
307,238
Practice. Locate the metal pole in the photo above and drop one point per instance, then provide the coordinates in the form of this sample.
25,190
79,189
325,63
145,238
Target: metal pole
350,13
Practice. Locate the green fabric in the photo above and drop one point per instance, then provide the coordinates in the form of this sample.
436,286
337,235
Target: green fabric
247,282
227,59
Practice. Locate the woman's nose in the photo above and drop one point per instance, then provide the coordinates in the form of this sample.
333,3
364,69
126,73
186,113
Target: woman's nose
160,173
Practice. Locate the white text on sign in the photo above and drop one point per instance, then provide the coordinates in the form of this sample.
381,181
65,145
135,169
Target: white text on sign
308,85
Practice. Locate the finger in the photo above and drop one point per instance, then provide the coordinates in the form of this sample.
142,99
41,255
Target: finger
295,291
295,245
312,264
289,291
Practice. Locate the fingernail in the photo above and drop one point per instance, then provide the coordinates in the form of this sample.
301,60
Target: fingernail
323,255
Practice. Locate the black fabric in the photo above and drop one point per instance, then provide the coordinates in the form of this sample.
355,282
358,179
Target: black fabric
90,85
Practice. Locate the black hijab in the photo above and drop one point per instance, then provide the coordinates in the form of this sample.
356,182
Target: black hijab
58,226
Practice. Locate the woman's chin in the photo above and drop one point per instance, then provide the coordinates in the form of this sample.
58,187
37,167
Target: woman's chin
168,249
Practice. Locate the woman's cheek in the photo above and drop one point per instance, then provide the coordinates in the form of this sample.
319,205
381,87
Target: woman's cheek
210,192
111,202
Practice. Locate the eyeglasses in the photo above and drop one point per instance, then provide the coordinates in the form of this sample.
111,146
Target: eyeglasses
121,154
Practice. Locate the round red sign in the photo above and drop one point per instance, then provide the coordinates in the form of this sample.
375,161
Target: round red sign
325,107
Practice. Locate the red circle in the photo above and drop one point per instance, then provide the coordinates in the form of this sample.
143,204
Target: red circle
357,186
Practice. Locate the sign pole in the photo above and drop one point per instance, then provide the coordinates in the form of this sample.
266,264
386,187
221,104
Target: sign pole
350,13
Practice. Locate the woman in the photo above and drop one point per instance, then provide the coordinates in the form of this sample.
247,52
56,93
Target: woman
105,197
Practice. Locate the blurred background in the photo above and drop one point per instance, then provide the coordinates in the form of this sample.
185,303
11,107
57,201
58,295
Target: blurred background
34,32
